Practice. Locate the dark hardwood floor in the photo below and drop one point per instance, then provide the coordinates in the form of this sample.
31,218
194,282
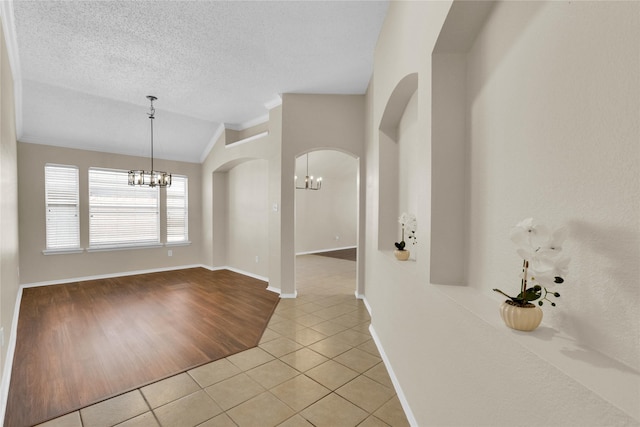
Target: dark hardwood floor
347,254
80,343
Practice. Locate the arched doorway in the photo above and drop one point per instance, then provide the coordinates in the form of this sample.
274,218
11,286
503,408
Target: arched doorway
326,221
240,217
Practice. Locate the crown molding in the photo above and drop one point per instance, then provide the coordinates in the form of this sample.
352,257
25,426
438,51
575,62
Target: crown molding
258,120
248,124
277,101
9,30
248,139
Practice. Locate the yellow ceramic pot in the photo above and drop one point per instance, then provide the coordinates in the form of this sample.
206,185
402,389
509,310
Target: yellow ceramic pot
520,318
401,255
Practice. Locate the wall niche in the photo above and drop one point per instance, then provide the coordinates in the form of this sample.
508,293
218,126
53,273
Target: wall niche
450,142
395,173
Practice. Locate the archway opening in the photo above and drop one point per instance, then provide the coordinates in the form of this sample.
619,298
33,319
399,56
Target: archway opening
326,222
240,217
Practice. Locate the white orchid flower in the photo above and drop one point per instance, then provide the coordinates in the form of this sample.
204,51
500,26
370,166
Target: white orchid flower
408,222
529,237
545,269
543,265
553,246
410,225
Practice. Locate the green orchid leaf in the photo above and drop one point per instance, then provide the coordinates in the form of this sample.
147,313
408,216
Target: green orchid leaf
531,294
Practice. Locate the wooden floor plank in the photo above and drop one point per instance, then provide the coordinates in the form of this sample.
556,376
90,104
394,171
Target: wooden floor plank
346,254
83,342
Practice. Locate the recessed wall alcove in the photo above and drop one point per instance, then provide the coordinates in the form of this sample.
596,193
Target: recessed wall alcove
240,216
449,139
397,123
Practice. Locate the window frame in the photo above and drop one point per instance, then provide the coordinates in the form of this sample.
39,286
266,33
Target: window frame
50,249
185,236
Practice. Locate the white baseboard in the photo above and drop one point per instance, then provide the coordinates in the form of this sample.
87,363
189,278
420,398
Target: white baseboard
244,273
8,363
392,375
285,296
272,289
109,276
133,273
366,303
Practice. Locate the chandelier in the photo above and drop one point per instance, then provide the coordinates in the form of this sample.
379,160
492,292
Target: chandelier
309,184
150,178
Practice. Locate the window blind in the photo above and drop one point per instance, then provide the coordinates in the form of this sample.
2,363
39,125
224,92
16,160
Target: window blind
120,214
62,218
178,210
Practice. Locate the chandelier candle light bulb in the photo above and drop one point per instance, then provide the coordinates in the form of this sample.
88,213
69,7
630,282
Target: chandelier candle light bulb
308,180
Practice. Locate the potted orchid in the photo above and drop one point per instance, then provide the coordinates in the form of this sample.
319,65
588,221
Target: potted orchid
409,225
543,267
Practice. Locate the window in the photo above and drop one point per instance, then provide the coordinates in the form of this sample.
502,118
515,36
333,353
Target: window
121,215
61,201
178,210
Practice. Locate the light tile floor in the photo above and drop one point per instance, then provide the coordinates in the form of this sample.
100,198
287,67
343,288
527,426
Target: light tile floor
316,365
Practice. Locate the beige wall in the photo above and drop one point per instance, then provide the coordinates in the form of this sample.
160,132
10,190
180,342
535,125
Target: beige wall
580,158
37,267
248,217
312,122
553,108
219,178
233,136
9,255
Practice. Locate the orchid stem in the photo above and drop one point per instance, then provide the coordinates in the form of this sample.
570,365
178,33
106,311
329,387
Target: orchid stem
523,284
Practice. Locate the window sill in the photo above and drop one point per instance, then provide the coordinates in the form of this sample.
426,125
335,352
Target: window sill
187,243
123,247
62,251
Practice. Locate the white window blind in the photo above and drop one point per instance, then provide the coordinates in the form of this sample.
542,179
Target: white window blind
61,194
121,215
178,210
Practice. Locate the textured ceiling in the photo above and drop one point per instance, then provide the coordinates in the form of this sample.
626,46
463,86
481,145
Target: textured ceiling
86,66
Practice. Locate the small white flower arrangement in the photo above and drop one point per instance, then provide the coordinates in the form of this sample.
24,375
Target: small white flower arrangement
543,264
410,226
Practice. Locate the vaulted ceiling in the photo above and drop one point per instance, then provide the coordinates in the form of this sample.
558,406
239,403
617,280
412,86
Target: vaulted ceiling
85,67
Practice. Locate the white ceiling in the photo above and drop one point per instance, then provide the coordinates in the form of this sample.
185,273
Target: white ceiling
87,66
